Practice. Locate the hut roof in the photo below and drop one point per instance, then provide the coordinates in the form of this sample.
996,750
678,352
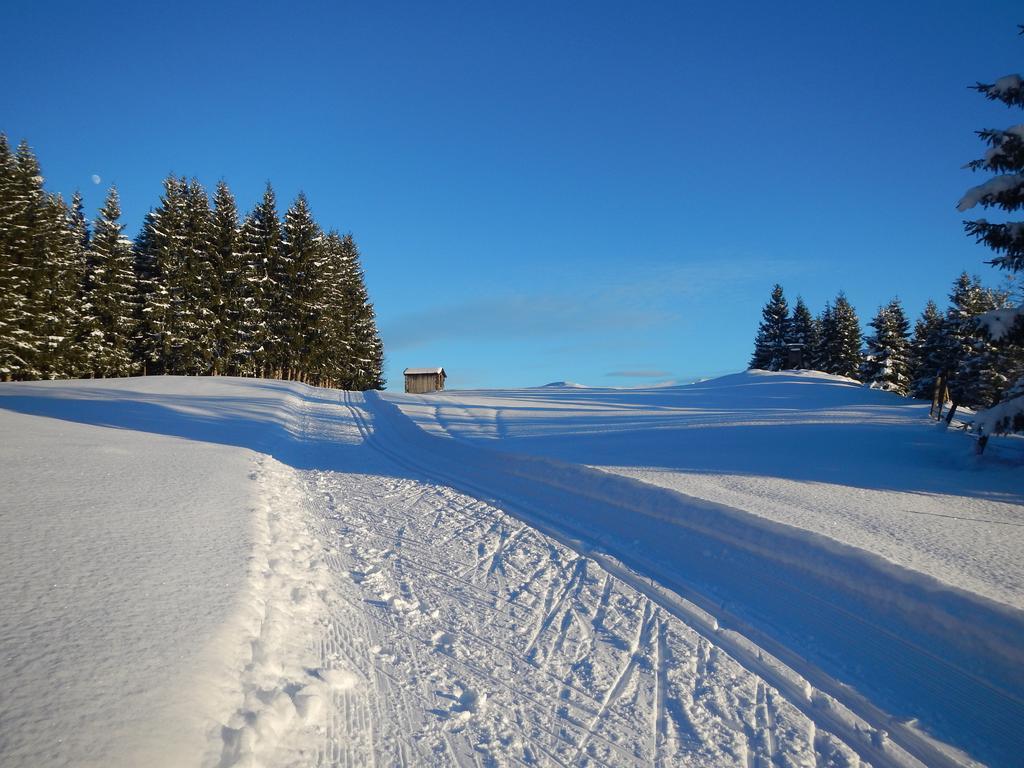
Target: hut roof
416,371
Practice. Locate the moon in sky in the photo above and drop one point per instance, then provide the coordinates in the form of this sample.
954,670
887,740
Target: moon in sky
96,178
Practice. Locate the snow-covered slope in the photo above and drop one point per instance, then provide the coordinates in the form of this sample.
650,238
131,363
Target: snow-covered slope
227,572
806,449
148,548
837,519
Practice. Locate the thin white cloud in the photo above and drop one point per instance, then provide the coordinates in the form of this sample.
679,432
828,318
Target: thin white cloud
514,317
635,298
641,374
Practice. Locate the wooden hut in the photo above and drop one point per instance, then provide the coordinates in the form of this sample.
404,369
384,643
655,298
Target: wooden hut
418,381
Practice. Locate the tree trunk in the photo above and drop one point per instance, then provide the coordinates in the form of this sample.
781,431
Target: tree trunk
937,396
952,413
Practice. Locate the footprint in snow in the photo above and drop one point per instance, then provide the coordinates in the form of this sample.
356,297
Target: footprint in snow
444,642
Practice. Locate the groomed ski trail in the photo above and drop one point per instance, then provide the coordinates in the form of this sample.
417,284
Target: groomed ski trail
466,625
468,638
539,492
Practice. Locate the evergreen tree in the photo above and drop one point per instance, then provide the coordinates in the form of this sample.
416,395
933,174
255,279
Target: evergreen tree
970,357
226,261
260,242
79,224
1005,157
926,352
887,361
179,285
840,344
330,346
158,257
770,343
278,287
52,267
195,293
364,367
38,272
21,269
10,360
194,288
803,330
73,354
58,307
822,326
112,293
302,250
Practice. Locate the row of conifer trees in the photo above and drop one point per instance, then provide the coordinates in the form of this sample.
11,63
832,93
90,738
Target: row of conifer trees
198,292
979,372
976,346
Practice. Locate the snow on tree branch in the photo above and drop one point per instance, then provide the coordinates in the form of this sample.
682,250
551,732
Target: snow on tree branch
1005,191
1008,89
1000,323
1001,419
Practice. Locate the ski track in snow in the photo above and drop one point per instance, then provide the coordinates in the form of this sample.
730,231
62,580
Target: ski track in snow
553,662
467,638
399,622
449,632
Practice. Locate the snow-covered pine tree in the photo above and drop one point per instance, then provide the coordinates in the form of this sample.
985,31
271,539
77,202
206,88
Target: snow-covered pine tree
112,293
982,378
79,224
158,266
1011,359
840,348
1004,157
330,348
302,249
192,298
58,308
194,294
822,326
364,368
226,261
887,359
770,343
12,284
969,355
277,288
803,330
41,269
71,350
10,360
23,250
926,356
143,262
260,242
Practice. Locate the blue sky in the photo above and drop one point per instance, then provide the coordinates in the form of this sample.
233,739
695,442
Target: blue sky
600,192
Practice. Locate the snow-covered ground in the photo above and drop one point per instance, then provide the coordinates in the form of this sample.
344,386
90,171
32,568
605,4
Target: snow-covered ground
756,570
809,450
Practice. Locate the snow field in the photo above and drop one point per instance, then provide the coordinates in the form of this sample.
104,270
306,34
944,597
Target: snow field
804,449
122,556
162,586
945,660
338,587
973,543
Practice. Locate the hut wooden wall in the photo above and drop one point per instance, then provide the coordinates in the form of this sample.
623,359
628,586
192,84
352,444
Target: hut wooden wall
421,383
